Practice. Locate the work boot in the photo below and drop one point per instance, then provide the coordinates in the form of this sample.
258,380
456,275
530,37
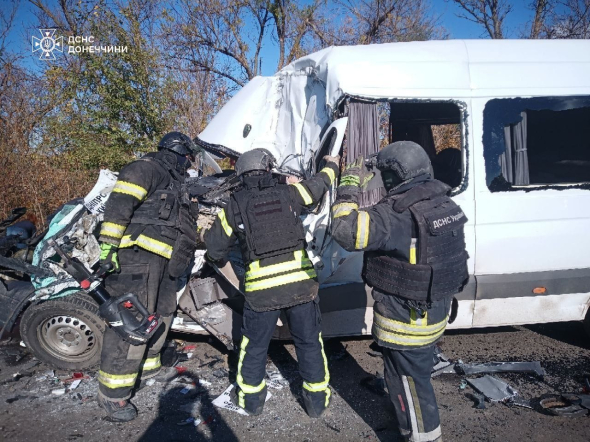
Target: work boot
117,411
249,408
314,403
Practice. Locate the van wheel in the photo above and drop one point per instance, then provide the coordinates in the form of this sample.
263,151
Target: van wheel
65,332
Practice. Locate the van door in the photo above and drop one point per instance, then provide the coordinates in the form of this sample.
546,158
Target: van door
532,210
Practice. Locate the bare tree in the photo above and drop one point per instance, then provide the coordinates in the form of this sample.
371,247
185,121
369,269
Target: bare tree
382,21
227,37
573,20
542,9
487,13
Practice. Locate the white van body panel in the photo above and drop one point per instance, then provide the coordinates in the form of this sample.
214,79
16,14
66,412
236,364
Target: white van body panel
508,233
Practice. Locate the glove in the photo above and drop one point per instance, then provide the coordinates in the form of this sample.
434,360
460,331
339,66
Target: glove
109,258
356,174
330,159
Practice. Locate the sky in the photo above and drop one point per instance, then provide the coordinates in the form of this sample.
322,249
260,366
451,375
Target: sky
26,24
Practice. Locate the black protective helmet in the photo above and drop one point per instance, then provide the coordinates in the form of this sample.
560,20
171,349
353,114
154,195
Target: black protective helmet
179,143
254,160
405,159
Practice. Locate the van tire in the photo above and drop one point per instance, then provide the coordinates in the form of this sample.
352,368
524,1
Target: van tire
65,333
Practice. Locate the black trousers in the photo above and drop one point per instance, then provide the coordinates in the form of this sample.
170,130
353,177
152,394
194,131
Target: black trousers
408,332
304,322
145,274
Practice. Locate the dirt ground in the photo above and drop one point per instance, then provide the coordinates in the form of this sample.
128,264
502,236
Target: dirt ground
29,411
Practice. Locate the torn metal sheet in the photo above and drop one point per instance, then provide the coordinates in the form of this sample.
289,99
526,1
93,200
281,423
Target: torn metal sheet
493,388
503,367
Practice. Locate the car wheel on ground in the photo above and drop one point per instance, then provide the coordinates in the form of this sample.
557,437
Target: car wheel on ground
65,332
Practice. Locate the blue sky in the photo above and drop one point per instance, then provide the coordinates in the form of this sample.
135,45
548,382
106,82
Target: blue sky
19,39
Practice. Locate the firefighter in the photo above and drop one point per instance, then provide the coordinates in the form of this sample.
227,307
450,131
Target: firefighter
264,217
415,260
148,238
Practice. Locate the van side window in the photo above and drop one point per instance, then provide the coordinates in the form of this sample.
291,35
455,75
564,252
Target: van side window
436,126
537,142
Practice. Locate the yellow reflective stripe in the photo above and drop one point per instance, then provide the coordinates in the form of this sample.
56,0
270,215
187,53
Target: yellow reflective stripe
116,380
112,229
152,363
280,280
417,320
416,403
328,171
320,386
149,244
413,251
241,399
410,329
307,199
362,230
248,389
328,394
343,209
300,261
403,339
130,189
226,227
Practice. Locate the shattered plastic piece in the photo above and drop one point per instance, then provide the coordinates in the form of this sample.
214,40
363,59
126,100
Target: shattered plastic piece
480,400
224,401
58,391
197,422
499,367
75,384
518,401
187,421
186,389
204,383
150,382
22,344
463,384
180,369
493,388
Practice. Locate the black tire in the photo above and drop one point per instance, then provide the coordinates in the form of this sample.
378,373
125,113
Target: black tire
66,333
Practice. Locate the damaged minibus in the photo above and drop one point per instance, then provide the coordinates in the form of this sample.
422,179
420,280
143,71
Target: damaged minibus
506,124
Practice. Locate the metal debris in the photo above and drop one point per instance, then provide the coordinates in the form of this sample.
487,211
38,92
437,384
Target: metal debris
493,388
503,367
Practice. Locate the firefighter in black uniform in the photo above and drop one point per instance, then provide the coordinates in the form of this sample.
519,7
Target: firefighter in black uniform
148,237
415,261
264,217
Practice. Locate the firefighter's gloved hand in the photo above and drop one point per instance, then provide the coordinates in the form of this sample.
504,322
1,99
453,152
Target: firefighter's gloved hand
356,175
109,257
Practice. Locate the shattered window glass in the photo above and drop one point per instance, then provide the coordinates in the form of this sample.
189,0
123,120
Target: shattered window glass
541,141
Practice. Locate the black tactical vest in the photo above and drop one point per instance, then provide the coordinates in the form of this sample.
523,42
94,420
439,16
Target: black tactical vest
270,225
441,262
171,209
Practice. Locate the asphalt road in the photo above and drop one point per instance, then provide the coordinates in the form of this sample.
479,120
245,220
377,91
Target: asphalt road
29,411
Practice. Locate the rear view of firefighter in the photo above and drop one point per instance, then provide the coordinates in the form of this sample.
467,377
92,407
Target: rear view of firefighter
264,217
148,238
415,261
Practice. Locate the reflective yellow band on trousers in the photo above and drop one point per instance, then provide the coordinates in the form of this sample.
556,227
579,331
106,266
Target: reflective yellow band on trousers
113,230
362,230
410,329
410,335
328,171
321,386
307,199
116,380
343,209
152,363
226,227
248,389
130,189
149,244
300,261
280,280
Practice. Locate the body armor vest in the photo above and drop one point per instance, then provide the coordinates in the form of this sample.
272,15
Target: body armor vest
171,209
441,264
271,226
